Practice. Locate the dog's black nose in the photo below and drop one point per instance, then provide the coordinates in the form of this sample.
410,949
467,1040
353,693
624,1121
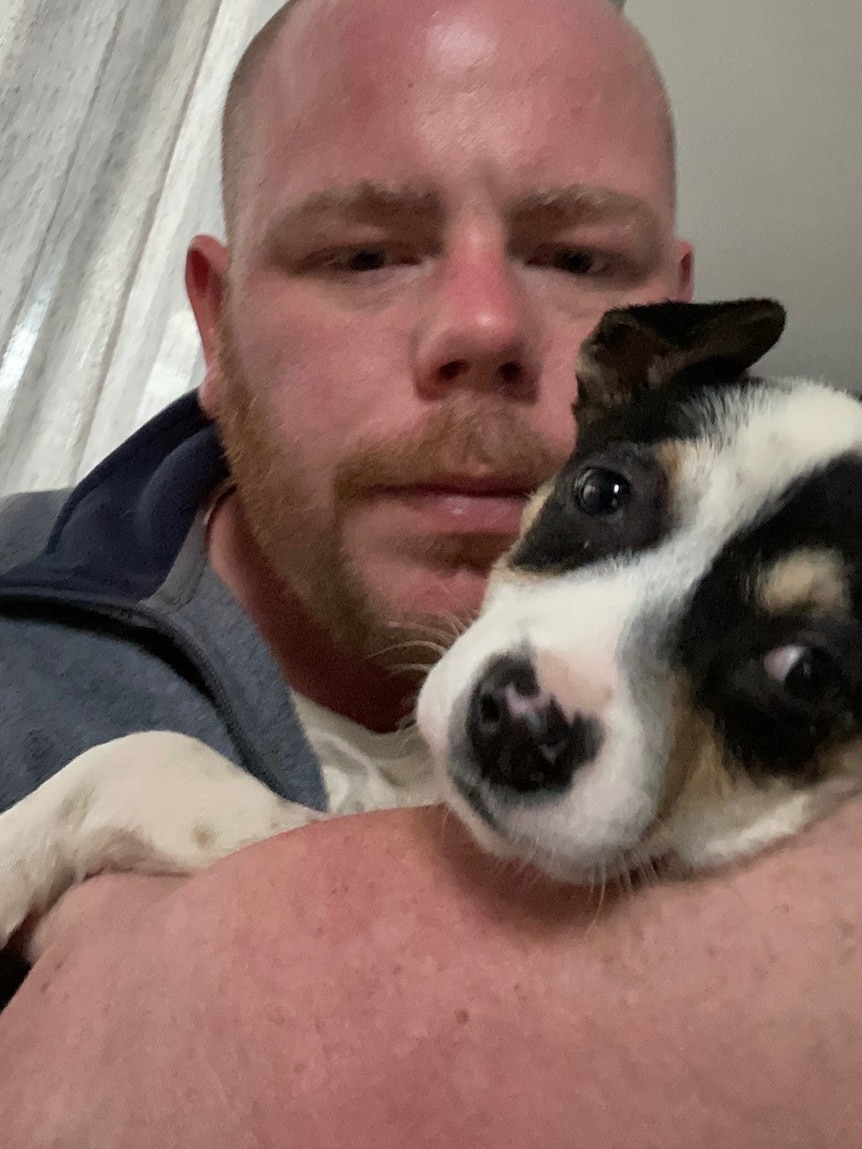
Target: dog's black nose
521,739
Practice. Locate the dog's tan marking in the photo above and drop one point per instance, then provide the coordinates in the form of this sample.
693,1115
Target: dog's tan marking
808,580
703,773
204,836
709,800
842,762
699,769
671,457
502,570
534,506
713,811
76,805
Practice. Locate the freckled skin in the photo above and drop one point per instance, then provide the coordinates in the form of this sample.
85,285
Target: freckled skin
218,1012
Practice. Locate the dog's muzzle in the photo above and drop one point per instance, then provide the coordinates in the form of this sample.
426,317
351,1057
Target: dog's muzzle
518,735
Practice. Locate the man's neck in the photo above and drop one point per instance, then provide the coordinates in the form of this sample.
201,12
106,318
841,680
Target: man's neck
306,657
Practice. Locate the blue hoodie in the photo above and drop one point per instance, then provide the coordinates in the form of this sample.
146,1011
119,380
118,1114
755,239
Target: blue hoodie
112,621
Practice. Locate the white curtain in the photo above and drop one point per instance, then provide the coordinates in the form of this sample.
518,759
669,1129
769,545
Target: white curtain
109,115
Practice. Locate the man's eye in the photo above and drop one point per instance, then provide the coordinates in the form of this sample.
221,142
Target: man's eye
362,259
574,261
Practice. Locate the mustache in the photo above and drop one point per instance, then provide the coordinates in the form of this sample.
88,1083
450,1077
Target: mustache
467,437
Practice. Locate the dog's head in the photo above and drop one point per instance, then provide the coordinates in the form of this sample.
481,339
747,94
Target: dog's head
669,661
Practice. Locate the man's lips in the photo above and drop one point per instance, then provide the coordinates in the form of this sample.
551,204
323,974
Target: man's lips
462,505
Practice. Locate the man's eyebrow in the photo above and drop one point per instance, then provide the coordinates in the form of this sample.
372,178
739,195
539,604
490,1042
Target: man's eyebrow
370,202
580,203
364,202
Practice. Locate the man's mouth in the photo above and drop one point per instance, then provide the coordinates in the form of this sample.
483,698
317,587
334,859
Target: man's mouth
462,505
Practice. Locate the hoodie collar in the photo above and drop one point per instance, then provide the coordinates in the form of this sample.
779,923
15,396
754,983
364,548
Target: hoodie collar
120,530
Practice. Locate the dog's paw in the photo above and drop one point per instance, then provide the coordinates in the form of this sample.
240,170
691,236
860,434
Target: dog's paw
166,803
16,901
156,803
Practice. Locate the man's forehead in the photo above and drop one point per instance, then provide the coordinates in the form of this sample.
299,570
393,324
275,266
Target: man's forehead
457,29
312,107
327,44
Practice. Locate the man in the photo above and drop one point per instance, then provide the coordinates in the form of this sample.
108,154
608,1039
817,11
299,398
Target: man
428,208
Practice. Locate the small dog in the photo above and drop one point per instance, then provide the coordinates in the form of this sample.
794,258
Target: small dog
667,672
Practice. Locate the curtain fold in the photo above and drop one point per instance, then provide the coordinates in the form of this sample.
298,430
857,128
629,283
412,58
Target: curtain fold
109,116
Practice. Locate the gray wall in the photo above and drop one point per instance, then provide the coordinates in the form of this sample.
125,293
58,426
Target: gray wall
768,98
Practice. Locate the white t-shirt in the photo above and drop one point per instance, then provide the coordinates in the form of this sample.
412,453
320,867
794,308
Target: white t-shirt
363,770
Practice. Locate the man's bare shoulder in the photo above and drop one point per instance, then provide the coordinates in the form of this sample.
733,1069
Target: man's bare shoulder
377,975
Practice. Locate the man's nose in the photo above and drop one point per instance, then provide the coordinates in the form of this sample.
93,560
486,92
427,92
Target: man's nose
477,329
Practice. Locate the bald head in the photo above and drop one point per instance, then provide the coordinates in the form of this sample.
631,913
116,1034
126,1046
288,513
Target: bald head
237,104
237,121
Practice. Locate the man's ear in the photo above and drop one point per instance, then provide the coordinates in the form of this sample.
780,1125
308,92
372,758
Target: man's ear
206,279
643,348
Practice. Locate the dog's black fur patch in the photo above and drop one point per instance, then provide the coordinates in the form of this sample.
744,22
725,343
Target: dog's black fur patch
720,641
684,410
564,537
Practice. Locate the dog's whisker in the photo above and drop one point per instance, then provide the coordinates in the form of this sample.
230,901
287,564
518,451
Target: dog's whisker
603,881
409,667
435,648
444,628
622,874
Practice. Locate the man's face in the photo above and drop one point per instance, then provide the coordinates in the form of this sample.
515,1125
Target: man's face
439,203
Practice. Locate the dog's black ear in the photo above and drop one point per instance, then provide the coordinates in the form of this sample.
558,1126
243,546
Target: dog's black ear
634,349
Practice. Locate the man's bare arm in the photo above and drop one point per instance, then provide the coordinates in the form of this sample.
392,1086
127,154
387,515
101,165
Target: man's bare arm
374,981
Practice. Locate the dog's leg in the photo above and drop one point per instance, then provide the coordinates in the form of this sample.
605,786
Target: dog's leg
155,803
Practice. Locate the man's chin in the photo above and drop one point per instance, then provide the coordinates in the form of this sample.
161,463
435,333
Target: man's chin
415,579
443,594
427,603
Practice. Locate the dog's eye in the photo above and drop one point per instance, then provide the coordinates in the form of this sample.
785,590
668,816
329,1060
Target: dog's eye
614,503
805,673
598,491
